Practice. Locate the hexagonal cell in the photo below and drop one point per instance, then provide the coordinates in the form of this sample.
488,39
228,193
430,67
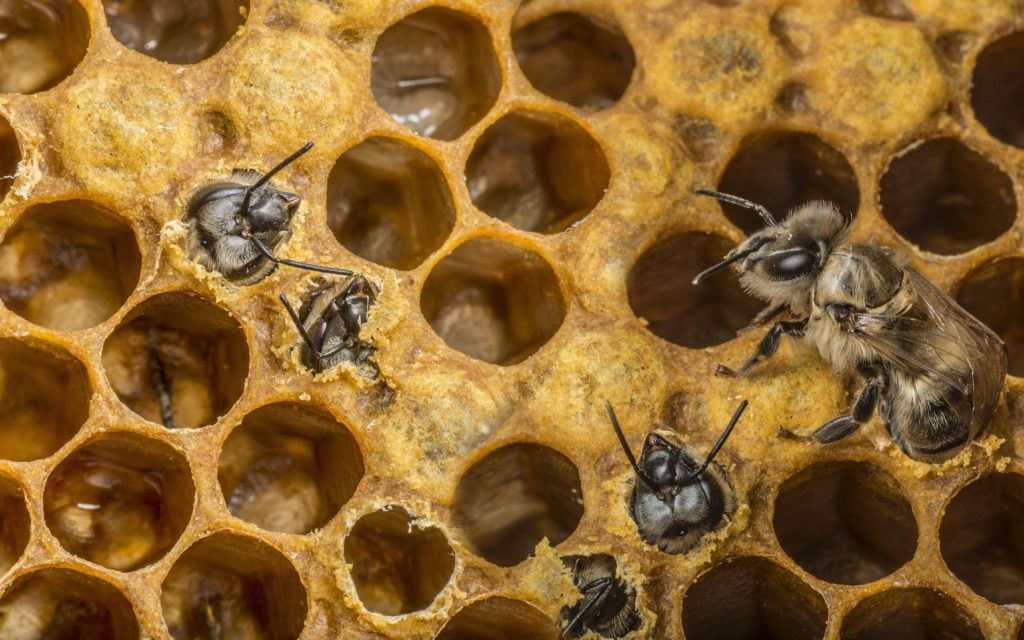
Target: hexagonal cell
513,498
389,202
911,614
997,88
661,292
783,170
175,31
121,500
436,72
398,564
537,172
752,597
68,265
232,586
61,603
499,618
945,197
289,468
864,527
14,525
41,43
493,301
982,537
10,156
177,360
575,58
994,294
44,399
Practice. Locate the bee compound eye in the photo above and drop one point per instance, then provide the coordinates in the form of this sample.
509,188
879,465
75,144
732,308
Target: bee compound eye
790,263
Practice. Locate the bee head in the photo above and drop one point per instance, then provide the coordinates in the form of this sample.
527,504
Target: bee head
271,210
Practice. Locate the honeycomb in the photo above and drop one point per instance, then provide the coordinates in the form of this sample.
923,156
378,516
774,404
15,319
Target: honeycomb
518,180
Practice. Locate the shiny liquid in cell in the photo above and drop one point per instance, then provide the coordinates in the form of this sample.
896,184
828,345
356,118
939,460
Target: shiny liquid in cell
176,31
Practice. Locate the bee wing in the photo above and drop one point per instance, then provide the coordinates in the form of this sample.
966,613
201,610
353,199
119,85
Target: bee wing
942,345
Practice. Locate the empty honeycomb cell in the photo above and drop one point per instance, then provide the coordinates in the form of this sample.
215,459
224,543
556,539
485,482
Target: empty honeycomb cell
14,525
997,90
121,500
493,301
516,496
54,604
845,545
661,292
499,618
575,58
177,360
10,156
175,31
389,202
436,72
232,586
982,537
289,468
945,197
752,597
218,132
537,172
783,170
909,614
68,265
1002,280
398,565
44,399
41,43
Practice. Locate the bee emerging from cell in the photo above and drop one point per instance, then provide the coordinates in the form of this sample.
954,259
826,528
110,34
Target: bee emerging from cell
608,603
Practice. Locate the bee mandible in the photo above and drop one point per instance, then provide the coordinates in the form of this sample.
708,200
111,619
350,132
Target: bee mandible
931,370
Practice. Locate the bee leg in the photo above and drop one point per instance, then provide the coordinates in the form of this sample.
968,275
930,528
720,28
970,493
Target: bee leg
767,347
838,428
161,384
596,591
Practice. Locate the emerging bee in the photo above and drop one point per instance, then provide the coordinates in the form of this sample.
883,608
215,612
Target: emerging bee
234,227
933,370
675,502
608,606
329,322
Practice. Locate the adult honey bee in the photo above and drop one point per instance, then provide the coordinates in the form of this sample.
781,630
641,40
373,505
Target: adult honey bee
234,227
931,369
329,322
675,502
608,605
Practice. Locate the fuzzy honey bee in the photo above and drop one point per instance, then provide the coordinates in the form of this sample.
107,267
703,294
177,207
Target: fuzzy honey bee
329,322
235,226
675,502
931,370
608,605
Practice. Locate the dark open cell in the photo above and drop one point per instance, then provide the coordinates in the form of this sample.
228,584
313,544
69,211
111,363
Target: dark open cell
994,294
493,301
945,197
863,526
752,597
513,498
783,170
575,58
982,537
661,292
498,618
10,156
231,586
14,524
62,603
398,566
910,614
68,265
121,501
436,72
289,468
389,202
997,88
175,31
537,172
177,360
41,43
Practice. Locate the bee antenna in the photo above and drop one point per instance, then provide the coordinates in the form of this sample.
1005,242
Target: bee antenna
625,447
721,266
268,254
270,174
718,445
766,215
298,323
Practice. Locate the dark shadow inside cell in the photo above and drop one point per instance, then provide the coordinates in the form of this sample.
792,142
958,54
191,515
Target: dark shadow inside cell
909,614
498,618
997,88
994,294
14,524
41,43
